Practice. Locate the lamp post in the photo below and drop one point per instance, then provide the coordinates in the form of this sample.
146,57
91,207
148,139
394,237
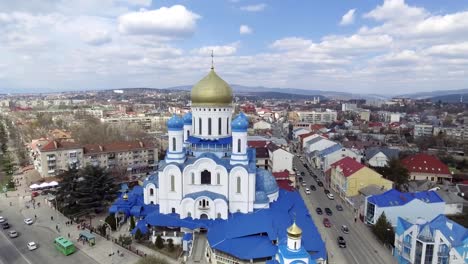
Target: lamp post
112,242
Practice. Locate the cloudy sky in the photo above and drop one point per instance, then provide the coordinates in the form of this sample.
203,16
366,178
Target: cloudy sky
375,46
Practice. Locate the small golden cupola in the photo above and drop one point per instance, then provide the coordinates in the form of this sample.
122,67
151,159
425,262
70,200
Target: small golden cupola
294,231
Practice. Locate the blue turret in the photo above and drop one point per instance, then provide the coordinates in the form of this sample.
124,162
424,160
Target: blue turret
240,123
188,118
175,123
175,133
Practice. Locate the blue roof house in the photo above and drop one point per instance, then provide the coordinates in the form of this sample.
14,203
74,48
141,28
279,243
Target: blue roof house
438,241
409,206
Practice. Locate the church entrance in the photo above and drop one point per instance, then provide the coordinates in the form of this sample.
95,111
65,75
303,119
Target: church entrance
206,177
203,216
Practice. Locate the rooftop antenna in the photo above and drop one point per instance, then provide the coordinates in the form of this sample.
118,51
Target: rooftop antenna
212,60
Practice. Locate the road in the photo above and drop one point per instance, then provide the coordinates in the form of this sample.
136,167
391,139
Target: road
362,246
15,251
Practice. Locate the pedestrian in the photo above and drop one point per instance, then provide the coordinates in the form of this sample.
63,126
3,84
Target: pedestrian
355,219
68,235
35,216
51,218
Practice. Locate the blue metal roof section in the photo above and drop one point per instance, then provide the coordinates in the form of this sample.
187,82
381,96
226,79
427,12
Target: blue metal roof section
314,140
265,182
175,123
248,236
393,197
240,123
213,196
206,142
402,226
152,178
261,198
187,118
330,150
187,237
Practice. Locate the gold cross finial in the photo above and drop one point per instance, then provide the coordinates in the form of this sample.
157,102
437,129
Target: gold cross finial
212,60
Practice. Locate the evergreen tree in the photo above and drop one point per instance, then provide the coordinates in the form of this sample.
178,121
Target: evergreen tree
132,222
396,172
110,219
383,230
66,198
138,235
170,245
159,242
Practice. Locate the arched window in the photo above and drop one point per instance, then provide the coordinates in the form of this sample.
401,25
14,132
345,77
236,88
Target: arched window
193,178
219,215
172,183
189,214
188,134
239,145
199,126
209,126
295,245
219,126
238,190
151,191
218,178
206,177
173,144
227,125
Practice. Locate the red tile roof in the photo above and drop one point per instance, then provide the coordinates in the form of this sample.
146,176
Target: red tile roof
257,143
117,147
281,175
425,163
348,165
56,145
285,185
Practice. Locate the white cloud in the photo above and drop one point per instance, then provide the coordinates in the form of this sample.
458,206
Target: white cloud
396,10
224,50
96,37
244,29
348,18
175,21
254,8
291,43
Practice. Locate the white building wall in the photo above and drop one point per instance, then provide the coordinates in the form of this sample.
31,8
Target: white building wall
379,160
197,168
282,160
451,209
169,199
203,114
239,201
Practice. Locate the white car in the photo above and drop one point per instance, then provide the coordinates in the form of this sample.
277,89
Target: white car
307,191
2,220
32,245
330,196
12,233
28,221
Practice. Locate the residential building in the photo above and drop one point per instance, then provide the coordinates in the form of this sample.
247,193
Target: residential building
410,206
348,176
426,167
262,125
280,159
147,123
422,130
317,117
364,115
457,132
348,107
135,157
379,156
453,202
440,241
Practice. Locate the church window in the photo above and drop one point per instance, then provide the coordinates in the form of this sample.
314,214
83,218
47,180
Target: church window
295,245
206,177
209,126
199,126
193,178
173,144
227,125
219,126
172,183
219,215
151,191
189,214
188,134
173,210
238,190
200,203
239,145
218,178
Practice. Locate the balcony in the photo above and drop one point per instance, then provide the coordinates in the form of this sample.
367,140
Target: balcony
50,158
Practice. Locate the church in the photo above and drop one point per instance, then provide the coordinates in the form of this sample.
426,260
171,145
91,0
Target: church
209,171
209,180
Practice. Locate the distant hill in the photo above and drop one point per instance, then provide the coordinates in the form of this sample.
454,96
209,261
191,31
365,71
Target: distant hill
450,98
432,94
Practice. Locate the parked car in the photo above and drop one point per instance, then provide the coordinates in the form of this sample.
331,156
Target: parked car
307,191
302,173
32,245
313,188
339,207
304,184
301,179
320,183
28,221
345,229
12,234
5,225
34,194
319,210
2,219
326,222
330,196
328,211
326,191
341,242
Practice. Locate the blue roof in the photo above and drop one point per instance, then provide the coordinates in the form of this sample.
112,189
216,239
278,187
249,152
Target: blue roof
152,178
187,118
140,225
393,197
390,153
457,234
402,225
213,196
330,150
261,197
199,141
187,236
265,182
175,123
312,141
240,123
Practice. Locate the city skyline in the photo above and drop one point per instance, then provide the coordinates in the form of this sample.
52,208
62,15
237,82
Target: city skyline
384,47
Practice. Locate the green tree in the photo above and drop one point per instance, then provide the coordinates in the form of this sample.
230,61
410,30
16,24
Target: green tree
383,230
66,198
152,260
138,235
159,242
110,219
132,222
396,172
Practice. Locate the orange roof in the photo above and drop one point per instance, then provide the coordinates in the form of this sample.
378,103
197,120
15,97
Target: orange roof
56,145
348,165
425,163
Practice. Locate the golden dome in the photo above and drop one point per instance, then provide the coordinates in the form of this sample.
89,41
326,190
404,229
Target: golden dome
125,196
211,91
294,231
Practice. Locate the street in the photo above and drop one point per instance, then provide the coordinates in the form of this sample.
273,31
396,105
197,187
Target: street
361,245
